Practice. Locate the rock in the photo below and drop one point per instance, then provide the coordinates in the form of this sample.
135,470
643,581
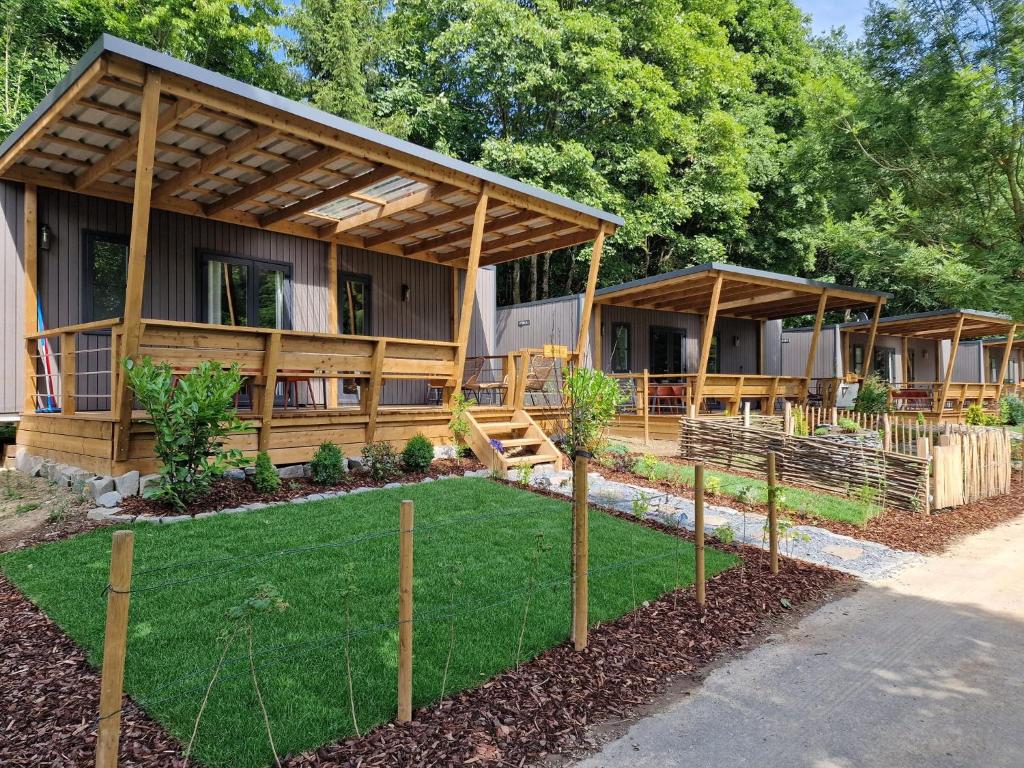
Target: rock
256,505
99,514
50,470
361,489
110,499
391,486
427,480
291,472
128,483
97,487
316,497
477,473
235,473
147,519
121,518
27,463
250,471
354,463
76,479
444,452
175,518
204,515
147,482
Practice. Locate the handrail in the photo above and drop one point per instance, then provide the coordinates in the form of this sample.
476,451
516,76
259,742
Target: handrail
77,328
293,333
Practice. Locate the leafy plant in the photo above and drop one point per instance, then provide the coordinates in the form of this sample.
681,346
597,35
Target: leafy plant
724,533
920,420
458,425
616,456
866,494
381,461
849,426
7,432
265,479
1011,410
646,466
712,486
821,432
417,454
641,505
800,427
525,474
749,494
592,399
328,465
873,396
976,416
191,418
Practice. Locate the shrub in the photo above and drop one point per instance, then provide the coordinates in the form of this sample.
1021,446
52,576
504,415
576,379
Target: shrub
646,466
616,456
525,474
328,465
190,420
266,479
592,399
381,461
459,424
417,454
1011,409
724,533
873,396
821,432
712,485
800,427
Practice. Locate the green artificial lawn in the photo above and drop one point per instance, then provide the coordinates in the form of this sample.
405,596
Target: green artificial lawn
847,510
486,556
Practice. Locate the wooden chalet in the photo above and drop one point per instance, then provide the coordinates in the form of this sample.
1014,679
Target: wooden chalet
154,208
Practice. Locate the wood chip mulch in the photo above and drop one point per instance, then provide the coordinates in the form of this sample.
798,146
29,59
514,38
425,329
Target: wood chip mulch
933,533
545,707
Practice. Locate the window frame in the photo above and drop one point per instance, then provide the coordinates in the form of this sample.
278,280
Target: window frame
628,327
206,255
857,370
651,330
87,292
367,281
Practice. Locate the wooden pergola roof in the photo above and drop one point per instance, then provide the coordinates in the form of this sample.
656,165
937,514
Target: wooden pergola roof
745,293
941,324
231,152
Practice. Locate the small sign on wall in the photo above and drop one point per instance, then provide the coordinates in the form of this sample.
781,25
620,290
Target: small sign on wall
523,323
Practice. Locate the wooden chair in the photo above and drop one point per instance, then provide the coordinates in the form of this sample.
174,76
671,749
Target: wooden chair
497,390
292,381
539,372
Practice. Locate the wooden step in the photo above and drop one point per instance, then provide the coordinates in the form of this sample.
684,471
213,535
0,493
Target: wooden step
531,458
503,426
521,442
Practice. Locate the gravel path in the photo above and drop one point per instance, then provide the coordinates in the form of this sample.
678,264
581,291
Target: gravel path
865,559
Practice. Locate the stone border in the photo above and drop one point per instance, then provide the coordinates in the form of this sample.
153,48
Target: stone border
114,515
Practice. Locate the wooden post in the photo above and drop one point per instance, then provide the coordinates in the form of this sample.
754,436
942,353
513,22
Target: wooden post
819,318
476,244
906,360
597,359
705,342
588,296
833,415
698,530
886,433
375,384
949,365
271,353
1006,361
869,350
773,516
746,414
30,222
787,418
845,343
580,558
332,315
137,247
68,377
646,406
115,640
522,372
405,542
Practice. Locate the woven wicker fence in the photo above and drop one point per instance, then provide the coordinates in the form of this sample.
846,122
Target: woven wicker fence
893,480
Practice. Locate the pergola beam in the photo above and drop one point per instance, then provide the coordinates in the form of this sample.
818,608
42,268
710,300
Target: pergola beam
707,334
1006,359
492,226
291,172
819,318
950,364
588,298
354,184
528,234
469,291
389,208
869,350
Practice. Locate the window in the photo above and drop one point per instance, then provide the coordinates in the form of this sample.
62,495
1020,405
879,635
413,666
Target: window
247,292
666,352
857,359
104,275
911,365
884,363
621,348
354,304
714,355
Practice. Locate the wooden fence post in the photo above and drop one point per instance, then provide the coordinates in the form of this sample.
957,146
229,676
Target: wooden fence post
698,530
833,415
580,553
924,451
886,433
746,413
405,541
787,418
115,639
646,405
773,517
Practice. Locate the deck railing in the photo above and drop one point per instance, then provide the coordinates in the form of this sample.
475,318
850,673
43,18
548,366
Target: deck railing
673,393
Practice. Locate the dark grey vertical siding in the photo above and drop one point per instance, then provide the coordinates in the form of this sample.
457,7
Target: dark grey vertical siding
11,297
554,321
772,348
740,340
969,365
640,322
796,345
482,327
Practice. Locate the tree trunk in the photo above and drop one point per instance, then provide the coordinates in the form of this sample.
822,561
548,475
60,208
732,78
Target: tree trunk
517,296
544,293
533,278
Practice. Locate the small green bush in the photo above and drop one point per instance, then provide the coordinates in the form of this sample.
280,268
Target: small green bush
1011,409
873,396
592,399
328,465
381,461
266,479
724,533
417,454
617,457
800,427
712,486
849,426
821,432
646,466
976,416
459,424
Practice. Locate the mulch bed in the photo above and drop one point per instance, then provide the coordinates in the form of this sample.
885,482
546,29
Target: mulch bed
928,534
226,493
545,707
